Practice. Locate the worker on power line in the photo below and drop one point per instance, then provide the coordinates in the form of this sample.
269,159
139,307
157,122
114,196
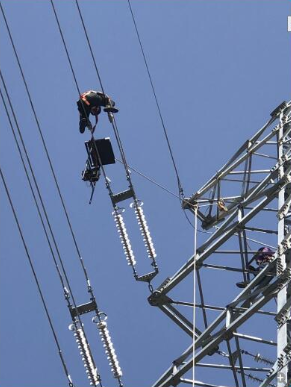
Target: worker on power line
263,256
90,102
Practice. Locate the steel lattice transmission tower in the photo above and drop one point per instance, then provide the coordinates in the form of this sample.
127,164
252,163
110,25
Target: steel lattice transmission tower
245,340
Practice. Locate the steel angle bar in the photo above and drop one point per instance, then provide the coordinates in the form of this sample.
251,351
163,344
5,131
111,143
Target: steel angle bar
265,231
241,368
257,189
263,312
201,298
179,319
263,192
239,180
264,209
284,208
270,193
170,379
284,310
271,173
287,129
249,171
205,335
186,204
231,363
239,152
247,291
224,268
272,374
264,182
250,192
250,296
235,252
227,367
266,156
207,200
188,267
198,383
284,243
255,339
229,166
244,257
219,231
171,371
254,194
220,308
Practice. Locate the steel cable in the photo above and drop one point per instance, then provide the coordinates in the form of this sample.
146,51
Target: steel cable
53,173
112,121
44,143
107,180
45,213
37,283
181,192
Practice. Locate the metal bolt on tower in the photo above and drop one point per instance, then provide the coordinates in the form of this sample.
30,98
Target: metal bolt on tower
242,330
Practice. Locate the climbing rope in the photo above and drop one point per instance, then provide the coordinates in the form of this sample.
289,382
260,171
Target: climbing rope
194,292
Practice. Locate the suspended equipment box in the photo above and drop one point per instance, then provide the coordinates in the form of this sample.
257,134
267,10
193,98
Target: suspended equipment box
102,147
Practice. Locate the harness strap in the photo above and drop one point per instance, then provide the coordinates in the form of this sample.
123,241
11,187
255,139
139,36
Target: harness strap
96,122
84,99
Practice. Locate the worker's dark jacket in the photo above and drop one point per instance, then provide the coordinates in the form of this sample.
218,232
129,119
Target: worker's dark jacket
90,99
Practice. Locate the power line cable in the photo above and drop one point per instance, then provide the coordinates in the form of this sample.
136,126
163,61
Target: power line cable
164,189
89,44
124,162
181,192
102,326
136,203
43,140
150,180
77,319
76,82
37,283
112,119
65,46
176,196
68,56
38,192
29,181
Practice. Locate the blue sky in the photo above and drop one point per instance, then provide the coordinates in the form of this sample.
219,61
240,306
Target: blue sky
219,68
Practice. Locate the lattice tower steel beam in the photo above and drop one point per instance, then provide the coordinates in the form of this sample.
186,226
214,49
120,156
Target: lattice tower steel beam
244,206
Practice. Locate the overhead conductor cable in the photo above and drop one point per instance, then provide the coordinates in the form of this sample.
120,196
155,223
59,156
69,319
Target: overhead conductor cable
116,213
107,181
66,292
181,192
77,317
70,382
